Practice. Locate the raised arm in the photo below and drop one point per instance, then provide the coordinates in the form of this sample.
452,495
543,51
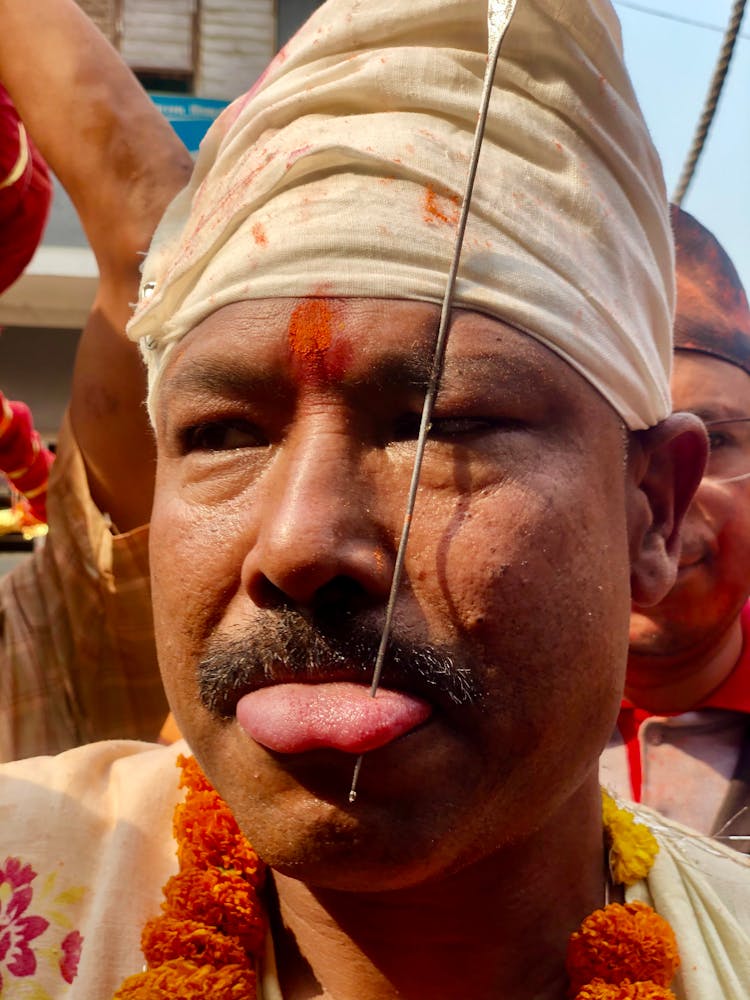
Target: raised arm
120,163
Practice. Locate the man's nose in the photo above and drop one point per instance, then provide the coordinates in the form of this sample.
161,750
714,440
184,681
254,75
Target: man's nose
318,538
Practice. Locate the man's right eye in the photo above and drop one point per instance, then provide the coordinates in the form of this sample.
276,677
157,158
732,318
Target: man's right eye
222,435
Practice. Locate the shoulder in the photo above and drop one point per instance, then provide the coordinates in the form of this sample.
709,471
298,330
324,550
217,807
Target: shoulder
703,889
85,839
115,779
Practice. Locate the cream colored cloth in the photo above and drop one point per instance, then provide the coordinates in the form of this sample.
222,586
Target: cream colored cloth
703,890
88,836
341,174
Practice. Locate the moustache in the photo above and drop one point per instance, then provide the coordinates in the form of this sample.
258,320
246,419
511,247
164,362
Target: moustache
287,647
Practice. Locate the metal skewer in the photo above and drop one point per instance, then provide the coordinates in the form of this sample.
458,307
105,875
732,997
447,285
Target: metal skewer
499,14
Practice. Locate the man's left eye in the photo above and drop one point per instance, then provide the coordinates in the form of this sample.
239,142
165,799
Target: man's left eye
222,435
407,427
447,427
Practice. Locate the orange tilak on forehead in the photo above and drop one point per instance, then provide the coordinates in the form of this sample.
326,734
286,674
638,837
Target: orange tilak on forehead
311,328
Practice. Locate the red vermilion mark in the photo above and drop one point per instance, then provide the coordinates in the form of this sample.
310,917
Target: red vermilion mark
259,234
310,328
438,208
318,356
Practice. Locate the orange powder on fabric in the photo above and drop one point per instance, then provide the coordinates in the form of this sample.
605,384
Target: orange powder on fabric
440,209
259,234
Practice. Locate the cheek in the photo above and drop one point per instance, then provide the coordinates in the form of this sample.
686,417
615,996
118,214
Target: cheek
534,588
733,546
194,572
507,555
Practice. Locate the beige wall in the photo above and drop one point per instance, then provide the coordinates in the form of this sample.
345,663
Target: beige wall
235,41
238,40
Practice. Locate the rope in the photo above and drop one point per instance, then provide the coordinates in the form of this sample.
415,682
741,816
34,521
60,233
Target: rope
711,102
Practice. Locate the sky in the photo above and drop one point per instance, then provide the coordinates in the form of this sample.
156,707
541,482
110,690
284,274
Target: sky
671,64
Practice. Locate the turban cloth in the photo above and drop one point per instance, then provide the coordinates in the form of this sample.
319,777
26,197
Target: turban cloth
25,195
713,316
341,172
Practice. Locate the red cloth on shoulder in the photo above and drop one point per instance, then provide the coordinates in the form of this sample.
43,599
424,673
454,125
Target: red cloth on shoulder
732,694
24,199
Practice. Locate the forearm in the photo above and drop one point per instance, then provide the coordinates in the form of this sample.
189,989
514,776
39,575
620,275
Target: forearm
114,153
121,163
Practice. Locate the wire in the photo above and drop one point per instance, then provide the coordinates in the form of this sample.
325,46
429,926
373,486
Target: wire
642,9
499,15
711,102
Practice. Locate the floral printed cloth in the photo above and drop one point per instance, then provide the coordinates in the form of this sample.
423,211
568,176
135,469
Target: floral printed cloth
86,845
37,937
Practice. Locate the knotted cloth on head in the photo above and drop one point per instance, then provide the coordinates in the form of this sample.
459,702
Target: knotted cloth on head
340,173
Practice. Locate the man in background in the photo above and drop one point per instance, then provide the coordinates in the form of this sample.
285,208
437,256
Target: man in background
77,659
682,744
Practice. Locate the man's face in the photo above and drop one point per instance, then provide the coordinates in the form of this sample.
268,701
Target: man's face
286,433
713,579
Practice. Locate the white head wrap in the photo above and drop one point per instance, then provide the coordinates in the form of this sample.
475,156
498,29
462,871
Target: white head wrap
340,173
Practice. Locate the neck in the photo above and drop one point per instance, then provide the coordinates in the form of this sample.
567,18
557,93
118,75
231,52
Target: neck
499,927
678,683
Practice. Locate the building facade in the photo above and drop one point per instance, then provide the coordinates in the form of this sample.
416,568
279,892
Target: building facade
207,48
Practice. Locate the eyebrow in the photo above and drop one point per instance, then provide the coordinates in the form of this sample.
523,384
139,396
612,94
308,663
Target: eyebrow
717,412
234,380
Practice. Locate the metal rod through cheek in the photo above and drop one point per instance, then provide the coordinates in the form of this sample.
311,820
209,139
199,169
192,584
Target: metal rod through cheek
432,388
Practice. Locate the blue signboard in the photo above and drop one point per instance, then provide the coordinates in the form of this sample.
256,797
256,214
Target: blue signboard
189,116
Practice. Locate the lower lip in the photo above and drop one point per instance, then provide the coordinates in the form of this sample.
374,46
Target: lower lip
295,718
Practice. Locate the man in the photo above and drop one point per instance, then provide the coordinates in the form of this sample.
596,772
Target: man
289,309
683,739
77,651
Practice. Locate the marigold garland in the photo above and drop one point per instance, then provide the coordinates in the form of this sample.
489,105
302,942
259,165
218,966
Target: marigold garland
624,951
621,944
632,847
599,990
209,938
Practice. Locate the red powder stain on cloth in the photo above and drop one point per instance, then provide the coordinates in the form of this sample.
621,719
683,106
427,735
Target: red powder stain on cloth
438,208
296,154
259,234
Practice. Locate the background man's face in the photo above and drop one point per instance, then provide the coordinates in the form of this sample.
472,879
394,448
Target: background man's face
286,434
713,579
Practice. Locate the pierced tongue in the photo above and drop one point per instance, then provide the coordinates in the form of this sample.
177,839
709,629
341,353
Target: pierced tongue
292,718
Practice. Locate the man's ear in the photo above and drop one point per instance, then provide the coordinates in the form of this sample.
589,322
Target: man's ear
665,466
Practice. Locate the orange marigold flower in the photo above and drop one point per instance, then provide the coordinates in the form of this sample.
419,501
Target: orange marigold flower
207,835
191,775
189,981
223,900
632,846
622,942
166,938
599,990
